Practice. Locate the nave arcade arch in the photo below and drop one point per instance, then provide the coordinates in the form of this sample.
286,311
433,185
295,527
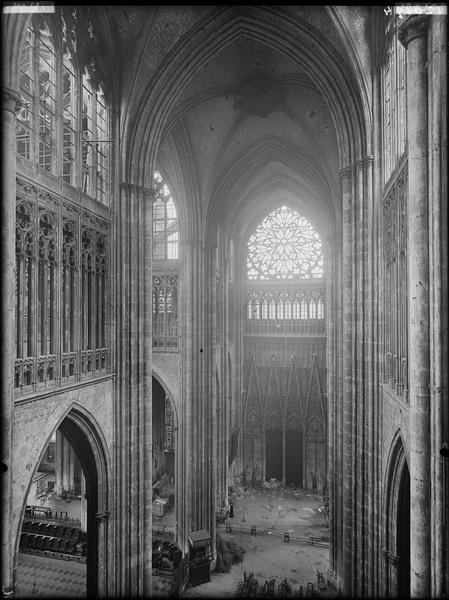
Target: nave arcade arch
396,552
53,527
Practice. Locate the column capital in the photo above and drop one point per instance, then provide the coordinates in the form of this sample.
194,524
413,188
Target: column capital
413,27
11,100
149,194
129,187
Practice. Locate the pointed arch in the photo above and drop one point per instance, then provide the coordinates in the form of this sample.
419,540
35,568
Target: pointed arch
396,503
86,438
299,42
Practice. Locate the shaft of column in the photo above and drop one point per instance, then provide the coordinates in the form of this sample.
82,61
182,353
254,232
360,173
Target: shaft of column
66,464
71,469
347,281
413,34
83,512
146,424
58,462
8,223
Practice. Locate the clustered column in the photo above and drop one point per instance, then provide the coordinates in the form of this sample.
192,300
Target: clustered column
148,198
133,227
8,223
64,464
347,433
413,34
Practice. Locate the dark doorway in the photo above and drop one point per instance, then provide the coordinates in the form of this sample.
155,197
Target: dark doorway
293,457
403,534
273,459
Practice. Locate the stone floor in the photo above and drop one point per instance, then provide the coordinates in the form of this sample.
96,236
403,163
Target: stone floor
274,512
42,577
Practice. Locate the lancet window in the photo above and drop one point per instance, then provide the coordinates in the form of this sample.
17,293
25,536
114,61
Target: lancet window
165,279
63,124
165,222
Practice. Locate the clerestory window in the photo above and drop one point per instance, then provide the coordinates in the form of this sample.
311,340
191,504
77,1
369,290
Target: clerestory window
165,222
63,125
165,277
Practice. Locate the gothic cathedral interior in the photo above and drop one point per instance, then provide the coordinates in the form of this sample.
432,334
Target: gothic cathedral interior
224,283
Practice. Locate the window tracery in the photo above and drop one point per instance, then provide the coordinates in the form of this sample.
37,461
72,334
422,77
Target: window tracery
395,284
61,288
279,311
165,222
285,246
66,131
165,317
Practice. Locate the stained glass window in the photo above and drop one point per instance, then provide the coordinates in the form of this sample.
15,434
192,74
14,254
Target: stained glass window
61,95
165,222
47,98
285,246
24,116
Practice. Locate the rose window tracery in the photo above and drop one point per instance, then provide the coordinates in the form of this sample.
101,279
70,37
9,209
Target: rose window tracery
285,246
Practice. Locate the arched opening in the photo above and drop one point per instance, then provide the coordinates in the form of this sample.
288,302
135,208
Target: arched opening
61,549
164,461
397,550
